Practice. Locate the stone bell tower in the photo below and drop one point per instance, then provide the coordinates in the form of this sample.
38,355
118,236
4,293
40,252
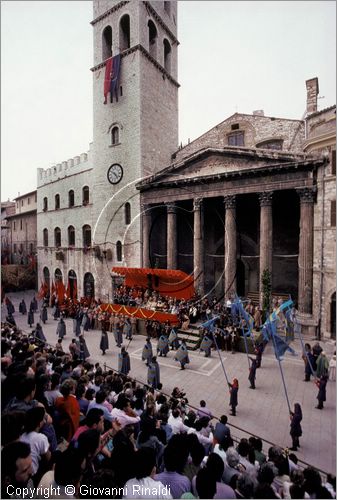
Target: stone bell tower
135,135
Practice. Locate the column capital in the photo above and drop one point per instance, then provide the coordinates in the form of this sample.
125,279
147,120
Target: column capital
171,207
197,202
307,194
230,201
266,198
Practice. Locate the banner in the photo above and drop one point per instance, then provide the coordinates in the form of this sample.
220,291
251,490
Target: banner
140,313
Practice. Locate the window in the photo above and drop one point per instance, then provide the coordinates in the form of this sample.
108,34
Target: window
107,43
124,33
20,224
57,202
14,226
167,55
333,213
333,162
14,248
22,203
235,126
153,35
45,204
115,135
71,236
271,144
167,7
236,139
86,236
119,250
85,195
28,201
57,237
45,237
127,213
71,198
35,198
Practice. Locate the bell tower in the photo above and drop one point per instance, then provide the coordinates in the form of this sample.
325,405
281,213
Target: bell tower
135,135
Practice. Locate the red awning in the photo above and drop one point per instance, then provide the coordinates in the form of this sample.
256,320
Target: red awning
140,313
167,282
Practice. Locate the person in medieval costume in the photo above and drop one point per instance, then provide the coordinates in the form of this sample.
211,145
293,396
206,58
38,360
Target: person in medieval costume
61,330
56,310
162,346
10,307
124,362
10,319
127,328
74,349
85,322
173,339
118,328
39,333
153,373
23,307
259,348
30,318
182,355
35,304
104,343
44,314
147,353
133,321
206,345
77,324
322,365
84,352
252,373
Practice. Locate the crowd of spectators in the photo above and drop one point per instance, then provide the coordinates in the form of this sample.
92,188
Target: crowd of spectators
68,422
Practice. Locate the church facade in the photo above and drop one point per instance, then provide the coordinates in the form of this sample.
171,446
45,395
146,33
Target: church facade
253,194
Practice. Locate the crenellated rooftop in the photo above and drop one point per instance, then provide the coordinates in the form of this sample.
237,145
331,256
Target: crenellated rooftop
64,169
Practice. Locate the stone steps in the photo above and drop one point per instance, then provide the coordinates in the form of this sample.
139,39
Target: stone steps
190,336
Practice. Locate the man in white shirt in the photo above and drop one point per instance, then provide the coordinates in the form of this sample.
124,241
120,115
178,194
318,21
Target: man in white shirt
39,445
176,422
123,412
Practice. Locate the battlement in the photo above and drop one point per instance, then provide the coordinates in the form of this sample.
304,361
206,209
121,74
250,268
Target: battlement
64,169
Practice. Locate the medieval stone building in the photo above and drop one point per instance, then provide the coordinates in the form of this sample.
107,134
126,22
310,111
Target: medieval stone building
254,193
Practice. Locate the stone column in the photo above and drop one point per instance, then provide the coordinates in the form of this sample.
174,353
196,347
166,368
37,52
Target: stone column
230,245
266,236
146,225
198,257
171,236
306,250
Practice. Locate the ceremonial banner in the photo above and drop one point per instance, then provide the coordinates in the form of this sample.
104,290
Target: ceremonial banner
206,343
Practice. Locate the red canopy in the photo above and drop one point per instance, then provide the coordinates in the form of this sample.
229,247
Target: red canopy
140,313
166,281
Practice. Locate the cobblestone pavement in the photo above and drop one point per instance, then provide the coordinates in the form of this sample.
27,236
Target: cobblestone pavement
262,412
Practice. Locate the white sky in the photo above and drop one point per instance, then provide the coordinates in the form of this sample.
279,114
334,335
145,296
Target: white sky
233,56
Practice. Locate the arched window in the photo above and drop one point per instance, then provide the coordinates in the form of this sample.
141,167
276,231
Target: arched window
167,7
45,204
58,276
72,284
85,195
45,237
115,135
127,213
153,36
71,198
106,43
57,237
71,236
86,235
46,277
89,285
124,33
167,55
119,251
57,201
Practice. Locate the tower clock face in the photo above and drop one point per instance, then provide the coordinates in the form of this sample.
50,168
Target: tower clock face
115,173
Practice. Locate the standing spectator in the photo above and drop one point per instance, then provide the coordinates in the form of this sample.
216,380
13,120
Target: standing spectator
203,411
295,426
332,367
221,430
34,421
234,389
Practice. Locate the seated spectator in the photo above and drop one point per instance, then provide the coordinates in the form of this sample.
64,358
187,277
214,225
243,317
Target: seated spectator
12,425
221,430
196,456
175,458
93,420
145,468
34,420
16,469
203,411
53,391
216,466
176,422
313,484
99,403
245,486
123,412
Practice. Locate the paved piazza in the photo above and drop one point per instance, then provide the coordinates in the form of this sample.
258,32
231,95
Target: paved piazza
262,412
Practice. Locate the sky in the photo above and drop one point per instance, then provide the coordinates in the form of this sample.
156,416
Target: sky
233,57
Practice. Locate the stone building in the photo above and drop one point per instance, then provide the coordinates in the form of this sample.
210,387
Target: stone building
245,197
7,208
133,136
23,229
